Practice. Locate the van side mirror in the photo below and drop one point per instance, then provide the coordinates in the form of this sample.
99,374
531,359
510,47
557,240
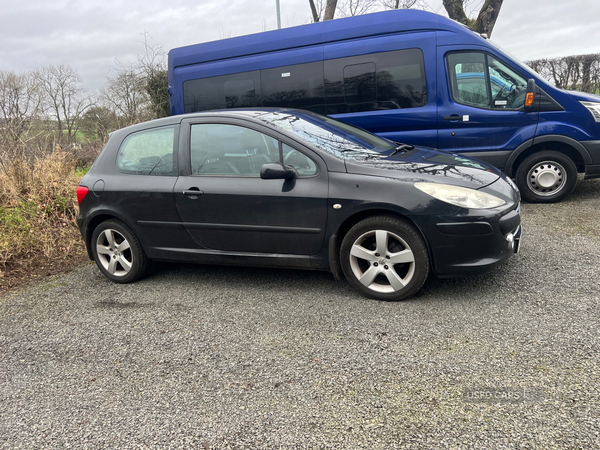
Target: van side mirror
277,171
530,96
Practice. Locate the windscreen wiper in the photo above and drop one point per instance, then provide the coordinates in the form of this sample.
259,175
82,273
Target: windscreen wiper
368,155
402,148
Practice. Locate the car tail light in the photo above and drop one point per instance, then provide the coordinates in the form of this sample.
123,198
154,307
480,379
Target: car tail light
81,193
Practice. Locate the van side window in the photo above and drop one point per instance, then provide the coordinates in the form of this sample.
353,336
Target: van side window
378,81
297,86
480,80
237,90
360,85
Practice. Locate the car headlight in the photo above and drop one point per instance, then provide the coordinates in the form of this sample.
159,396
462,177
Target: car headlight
594,108
460,196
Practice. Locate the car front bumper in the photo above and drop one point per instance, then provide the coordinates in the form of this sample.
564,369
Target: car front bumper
473,242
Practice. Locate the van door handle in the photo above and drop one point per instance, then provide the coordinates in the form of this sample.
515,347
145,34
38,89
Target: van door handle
454,117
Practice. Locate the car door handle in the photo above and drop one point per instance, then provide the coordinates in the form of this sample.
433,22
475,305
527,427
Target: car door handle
193,192
454,117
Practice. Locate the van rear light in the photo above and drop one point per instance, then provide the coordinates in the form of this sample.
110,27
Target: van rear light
81,193
529,99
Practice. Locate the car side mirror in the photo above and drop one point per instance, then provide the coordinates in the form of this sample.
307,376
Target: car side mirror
277,171
530,97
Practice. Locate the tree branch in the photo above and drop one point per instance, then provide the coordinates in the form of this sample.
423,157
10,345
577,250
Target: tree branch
487,16
330,9
313,9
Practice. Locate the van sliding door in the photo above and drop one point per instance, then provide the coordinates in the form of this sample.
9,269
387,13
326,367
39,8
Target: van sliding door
385,91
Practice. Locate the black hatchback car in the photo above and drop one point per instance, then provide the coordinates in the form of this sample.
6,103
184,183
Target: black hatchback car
289,188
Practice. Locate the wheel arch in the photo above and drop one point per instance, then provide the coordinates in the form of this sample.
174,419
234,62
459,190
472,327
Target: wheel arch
568,146
93,223
335,241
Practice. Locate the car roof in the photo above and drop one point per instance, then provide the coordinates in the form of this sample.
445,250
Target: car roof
243,113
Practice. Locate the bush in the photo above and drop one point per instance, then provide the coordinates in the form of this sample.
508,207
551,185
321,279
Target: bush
38,207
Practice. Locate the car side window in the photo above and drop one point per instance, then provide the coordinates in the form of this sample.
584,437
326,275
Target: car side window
149,152
480,80
223,149
305,166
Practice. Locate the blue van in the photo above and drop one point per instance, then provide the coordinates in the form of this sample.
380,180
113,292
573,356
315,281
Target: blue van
409,76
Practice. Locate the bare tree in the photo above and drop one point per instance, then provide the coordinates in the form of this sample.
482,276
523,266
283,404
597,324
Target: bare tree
325,9
125,93
64,99
19,104
403,4
486,19
330,9
98,122
317,9
152,64
576,72
138,90
357,7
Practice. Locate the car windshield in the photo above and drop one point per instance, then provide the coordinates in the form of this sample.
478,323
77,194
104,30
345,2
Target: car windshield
330,135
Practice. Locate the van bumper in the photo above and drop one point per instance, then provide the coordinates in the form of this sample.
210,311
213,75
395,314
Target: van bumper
592,171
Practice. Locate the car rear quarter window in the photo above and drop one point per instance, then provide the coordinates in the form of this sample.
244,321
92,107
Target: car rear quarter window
149,152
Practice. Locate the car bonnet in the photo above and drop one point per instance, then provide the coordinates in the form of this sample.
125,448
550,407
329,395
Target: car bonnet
422,165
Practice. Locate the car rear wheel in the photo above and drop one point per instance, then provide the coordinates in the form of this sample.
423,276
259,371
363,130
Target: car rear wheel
546,177
384,258
118,252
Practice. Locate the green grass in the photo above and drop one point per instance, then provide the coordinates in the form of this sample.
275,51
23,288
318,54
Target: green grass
81,171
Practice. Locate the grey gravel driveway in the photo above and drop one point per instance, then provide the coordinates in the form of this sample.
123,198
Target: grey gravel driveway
217,358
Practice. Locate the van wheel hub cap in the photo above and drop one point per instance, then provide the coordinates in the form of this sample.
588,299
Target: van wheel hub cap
546,178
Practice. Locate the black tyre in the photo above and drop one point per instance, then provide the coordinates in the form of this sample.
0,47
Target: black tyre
546,177
384,258
118,252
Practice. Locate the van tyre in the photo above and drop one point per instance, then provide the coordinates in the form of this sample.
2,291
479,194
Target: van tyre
118,252
546,177
385,258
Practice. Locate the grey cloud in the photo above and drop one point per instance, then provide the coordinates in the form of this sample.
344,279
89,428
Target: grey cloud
89,34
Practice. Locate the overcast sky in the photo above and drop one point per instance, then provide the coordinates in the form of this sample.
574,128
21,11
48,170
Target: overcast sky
89,34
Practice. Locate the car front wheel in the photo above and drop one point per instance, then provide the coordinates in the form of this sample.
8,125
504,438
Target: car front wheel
384,258
118,252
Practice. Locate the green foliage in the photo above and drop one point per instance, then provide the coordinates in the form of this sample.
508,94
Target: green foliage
81,171
13,219
38,209
157,86
97,123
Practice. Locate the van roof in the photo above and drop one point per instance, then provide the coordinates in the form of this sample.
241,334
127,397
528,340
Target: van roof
392,21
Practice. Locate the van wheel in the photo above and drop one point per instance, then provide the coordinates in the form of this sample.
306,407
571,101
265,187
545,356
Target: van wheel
384,258
118,252
546,177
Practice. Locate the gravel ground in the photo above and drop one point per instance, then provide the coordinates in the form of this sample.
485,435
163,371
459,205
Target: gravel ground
218,358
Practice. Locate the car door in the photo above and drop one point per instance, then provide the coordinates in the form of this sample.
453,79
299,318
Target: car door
480,105
226,206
